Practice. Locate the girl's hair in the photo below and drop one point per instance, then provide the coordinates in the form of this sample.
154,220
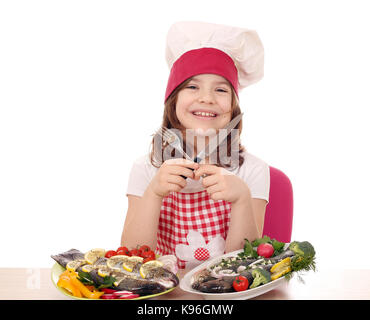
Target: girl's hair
170,121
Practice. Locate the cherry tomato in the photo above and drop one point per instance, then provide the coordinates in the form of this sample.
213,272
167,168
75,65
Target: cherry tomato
110,253
148,259
144,248
135,252
265,250
240,283
123,251
148,254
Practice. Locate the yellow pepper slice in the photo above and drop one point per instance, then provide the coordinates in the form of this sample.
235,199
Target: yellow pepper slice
281,268
83,289
65,283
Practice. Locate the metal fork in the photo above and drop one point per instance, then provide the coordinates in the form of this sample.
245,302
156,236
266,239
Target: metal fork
172,139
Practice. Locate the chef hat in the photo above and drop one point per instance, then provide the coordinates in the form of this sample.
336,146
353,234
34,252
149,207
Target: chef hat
197,47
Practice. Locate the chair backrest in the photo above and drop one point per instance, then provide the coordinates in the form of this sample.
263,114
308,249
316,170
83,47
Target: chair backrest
279,210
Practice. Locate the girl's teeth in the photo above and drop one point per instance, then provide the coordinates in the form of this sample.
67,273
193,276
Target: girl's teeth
204,114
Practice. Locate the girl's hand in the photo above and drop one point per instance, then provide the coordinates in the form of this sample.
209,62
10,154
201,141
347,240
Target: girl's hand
222,184
168,177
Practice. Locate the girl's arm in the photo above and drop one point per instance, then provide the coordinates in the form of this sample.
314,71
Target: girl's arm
142,219
247,214
246,222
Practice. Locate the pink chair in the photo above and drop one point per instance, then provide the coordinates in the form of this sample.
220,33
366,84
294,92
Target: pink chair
279,210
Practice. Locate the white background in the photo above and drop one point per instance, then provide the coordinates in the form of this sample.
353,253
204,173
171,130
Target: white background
81,90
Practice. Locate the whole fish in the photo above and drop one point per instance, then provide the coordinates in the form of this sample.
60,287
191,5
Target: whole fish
156,280
219,277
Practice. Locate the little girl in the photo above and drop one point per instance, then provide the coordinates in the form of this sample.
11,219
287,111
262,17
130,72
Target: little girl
216,207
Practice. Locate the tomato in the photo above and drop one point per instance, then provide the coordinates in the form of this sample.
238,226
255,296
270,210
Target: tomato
148,254
148,259
144,248
110,253
240,283
265,250
135,252
123,251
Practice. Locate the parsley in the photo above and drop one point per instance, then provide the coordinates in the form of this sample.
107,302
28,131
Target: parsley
86,279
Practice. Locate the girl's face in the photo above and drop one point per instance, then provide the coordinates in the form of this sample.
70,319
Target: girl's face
205,103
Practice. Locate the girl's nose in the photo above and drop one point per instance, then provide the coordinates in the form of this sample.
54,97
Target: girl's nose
206,96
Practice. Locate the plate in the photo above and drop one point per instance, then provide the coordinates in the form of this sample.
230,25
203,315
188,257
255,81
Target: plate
185,283
57,270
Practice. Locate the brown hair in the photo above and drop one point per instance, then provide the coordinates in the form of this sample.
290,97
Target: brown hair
170,121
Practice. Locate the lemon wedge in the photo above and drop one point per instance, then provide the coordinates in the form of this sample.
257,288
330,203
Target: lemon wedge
87,268
74,265
148,266
116,262
131,262
94,254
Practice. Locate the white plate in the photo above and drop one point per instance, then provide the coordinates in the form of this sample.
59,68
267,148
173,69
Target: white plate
185,283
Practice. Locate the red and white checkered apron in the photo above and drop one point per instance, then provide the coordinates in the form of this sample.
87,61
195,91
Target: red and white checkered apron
184,212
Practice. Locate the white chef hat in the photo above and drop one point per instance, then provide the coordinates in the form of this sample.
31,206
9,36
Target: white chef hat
197,47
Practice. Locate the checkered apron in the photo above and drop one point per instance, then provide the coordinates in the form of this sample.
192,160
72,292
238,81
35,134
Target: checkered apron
184,212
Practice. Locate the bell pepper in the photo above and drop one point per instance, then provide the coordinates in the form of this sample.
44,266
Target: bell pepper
65,283
83,289
281,268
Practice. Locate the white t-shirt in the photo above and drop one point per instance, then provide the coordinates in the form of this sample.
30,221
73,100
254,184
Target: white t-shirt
254,171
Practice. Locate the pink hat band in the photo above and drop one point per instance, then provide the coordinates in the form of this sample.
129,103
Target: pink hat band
200,61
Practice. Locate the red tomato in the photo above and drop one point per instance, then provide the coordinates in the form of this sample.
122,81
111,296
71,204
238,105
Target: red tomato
240,283
265,250
110,253
135,252
123,251
148,259
144,248
148,254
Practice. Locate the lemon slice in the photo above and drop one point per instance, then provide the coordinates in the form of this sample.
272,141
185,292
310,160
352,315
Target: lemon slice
103,271
131,262
74,264
116,262
94,254
148,266
87,268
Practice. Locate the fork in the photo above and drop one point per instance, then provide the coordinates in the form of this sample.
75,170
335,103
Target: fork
173,140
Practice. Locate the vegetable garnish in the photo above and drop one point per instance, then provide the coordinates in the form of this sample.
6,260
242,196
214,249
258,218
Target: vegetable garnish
265,250
240,283
261,261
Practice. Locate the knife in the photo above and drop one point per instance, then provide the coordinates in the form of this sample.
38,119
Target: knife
216,141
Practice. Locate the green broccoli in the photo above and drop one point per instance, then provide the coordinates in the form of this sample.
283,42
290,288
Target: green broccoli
260,276
304,256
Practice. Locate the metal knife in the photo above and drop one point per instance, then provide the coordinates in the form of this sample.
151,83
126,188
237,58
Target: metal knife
217,140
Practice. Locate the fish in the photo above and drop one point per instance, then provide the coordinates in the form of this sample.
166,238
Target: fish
156,280
221,285
218,277
70,255
200,277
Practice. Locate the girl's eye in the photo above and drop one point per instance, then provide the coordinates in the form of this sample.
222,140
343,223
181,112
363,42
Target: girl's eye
191,87
221,90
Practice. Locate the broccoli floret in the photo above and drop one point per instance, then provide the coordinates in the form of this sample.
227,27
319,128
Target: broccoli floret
260,276
304,256
303,248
